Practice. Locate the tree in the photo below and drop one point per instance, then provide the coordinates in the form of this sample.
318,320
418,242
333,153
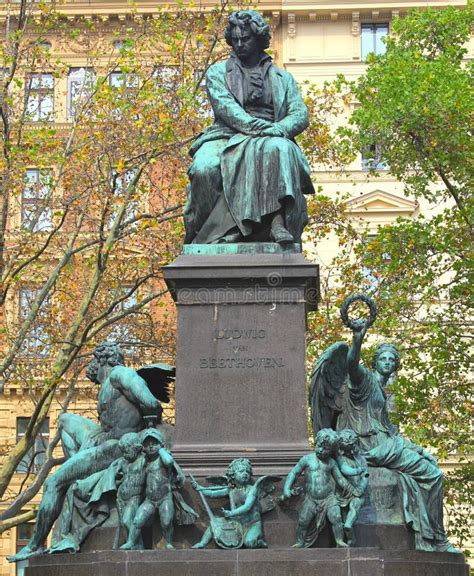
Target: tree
416,106
90,206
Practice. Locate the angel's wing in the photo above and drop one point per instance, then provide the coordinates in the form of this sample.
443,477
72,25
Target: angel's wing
328,382
158,377
217,480
266,486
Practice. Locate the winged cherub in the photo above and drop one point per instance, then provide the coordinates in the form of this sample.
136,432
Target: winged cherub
346,394
248,501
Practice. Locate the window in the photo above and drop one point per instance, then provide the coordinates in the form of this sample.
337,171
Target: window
122,81
372,158
40,97
23,534
372,39
37,342
80,84
36,455
36,215
166,76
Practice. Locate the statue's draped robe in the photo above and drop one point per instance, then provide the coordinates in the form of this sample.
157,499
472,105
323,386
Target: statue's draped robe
421,480
238,177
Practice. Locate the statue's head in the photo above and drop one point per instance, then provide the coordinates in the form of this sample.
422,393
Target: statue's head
348,440
247,33
130,445
326,443
106,354
152,441
239,471
386,359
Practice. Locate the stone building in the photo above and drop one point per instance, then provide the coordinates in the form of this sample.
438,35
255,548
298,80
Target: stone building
315,41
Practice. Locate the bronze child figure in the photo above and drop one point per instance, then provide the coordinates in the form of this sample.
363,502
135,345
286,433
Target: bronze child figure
354,467
323,479
130,477
160,467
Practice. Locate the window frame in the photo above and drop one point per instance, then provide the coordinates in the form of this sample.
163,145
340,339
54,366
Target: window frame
36,456
34,199
42,93
88,76
377,50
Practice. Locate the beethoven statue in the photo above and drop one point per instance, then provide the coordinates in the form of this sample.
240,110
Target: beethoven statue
248,176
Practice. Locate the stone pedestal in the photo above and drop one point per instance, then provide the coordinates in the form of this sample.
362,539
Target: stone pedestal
279,562
240,378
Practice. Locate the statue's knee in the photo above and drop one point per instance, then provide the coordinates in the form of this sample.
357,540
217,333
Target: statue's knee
279,145
205,167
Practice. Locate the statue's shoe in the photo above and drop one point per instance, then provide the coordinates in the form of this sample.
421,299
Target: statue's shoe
25,553
231,238
67,544
446,546
280,235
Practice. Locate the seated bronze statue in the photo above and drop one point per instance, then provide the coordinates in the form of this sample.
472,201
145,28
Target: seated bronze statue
248,176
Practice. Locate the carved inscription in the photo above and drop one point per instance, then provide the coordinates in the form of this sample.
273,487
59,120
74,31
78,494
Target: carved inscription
239,342
241,363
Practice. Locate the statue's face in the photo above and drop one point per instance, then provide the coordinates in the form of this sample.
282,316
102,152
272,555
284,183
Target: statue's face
244,42
322,451
242,475
386,364
350,447
131,452
151,446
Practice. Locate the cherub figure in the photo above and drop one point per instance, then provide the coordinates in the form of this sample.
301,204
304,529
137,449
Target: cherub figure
130,477
242,524
162,475
354,466
322,478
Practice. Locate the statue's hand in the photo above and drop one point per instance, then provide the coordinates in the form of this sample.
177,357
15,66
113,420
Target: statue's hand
359,325
196,486
289,493
227,513
273,130
259,124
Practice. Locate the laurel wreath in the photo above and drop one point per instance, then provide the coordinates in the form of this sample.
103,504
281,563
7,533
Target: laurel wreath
348,303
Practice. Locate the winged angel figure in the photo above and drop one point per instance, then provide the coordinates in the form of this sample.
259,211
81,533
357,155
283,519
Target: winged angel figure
127,398
346,394
242,524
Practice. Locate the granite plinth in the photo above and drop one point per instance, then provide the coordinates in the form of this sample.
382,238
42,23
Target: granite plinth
240,378
277,562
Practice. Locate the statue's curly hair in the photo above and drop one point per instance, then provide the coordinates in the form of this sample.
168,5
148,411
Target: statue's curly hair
108,351
327,438
130,440
254,20
347,437
381,348
232,468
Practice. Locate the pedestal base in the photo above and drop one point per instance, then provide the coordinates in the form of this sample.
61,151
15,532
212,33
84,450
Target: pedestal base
272,562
